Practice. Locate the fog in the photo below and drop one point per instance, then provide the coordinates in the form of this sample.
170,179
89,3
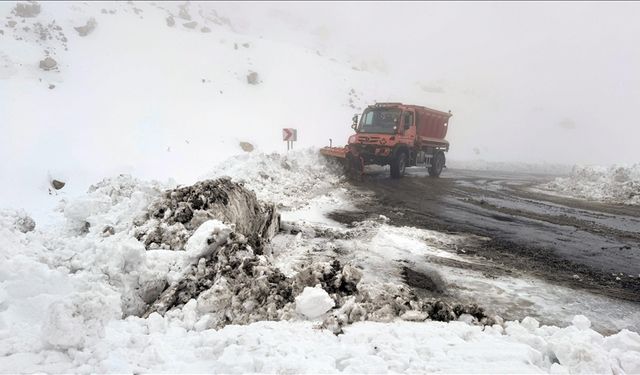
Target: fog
526,82
555,82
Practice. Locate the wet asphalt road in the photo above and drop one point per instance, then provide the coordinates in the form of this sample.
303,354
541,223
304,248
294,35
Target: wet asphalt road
586,245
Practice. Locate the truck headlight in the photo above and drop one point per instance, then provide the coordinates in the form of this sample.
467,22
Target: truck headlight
352,139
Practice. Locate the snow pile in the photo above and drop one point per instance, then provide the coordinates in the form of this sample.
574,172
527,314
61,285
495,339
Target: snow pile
222,276
616,184
290,180
45,304
79,320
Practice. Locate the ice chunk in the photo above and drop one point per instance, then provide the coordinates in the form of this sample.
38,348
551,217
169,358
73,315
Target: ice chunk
530,324
624,339
313,302
78,320
414,316
156,323
197,245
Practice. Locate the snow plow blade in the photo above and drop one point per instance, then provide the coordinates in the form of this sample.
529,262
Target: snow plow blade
335,152
353,165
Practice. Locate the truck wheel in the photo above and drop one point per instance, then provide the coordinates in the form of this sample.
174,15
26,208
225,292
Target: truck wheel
437,163
398,165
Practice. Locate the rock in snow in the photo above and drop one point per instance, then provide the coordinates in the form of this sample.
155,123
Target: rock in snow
190,25
314,302
27,10
87,28
246,146
252,78
25,223
48,64
57,184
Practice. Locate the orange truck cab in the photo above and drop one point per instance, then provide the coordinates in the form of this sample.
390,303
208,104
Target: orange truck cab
399,135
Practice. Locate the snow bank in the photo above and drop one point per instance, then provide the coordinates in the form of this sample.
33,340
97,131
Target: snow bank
289,180
616,184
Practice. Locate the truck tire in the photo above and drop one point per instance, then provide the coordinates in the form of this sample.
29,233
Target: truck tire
398,165
437,164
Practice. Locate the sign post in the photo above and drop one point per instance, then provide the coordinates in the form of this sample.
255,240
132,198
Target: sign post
289,135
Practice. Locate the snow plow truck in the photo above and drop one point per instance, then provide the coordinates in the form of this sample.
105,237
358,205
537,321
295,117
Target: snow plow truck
398,135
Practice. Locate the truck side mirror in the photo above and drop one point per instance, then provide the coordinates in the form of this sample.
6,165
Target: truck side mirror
354,120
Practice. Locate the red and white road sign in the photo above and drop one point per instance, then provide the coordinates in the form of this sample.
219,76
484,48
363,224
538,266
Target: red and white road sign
289,134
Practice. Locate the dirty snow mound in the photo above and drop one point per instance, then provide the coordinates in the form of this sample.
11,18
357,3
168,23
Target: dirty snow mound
170,221
616,184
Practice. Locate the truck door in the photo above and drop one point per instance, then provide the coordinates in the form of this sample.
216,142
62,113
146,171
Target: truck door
408,127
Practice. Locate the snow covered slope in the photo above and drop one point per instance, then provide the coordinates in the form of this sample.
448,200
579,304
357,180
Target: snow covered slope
138,96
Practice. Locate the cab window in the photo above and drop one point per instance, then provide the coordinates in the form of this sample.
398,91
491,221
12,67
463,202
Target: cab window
380,120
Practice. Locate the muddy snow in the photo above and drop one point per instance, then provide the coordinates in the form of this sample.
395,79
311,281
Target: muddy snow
223,230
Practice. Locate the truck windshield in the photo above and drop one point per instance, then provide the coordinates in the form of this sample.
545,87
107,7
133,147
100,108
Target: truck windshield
380,120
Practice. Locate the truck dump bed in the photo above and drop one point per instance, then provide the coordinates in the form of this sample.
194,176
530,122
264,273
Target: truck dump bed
431,125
